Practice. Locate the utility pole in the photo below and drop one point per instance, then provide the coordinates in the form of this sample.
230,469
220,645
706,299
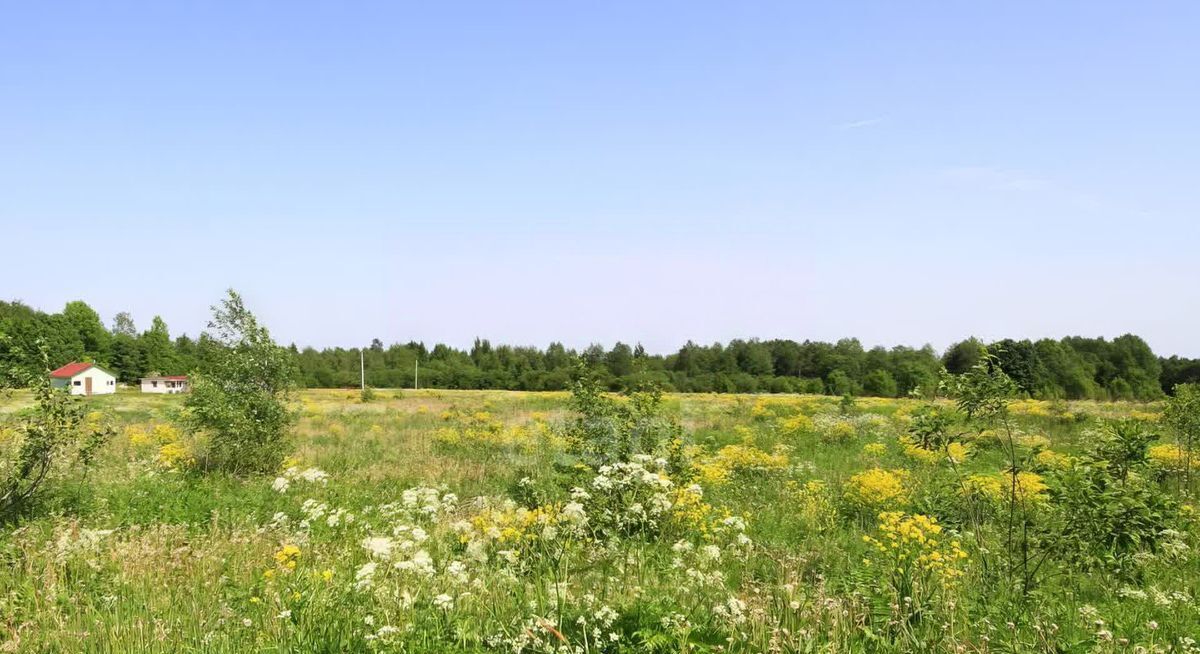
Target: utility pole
416,374
362,370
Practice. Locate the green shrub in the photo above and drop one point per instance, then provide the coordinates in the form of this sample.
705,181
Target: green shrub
41,443
239,398
1107,506
608,430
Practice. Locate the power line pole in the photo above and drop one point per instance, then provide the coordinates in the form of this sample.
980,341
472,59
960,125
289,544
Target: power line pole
416,374
362,370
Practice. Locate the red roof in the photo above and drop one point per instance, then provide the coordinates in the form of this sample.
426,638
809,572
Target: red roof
70,370
169,377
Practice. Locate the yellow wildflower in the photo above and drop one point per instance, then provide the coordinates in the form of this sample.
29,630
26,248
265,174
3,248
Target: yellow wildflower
137,435
958,452
999,488
795,425
1052,460
732,459
174,456
1145,416
877,488
911,545
874,449
164,434
1170,457
918,453
689,510
839,431
287,556
814,504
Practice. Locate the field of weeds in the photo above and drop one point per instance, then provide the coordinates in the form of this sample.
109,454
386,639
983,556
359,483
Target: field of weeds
437,521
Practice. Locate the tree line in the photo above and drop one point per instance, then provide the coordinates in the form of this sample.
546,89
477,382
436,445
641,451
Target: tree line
1074,367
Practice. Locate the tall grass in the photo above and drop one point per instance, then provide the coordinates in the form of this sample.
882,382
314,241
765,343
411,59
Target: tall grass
435,521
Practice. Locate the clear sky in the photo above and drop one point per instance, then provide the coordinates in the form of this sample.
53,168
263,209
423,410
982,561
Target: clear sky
902,172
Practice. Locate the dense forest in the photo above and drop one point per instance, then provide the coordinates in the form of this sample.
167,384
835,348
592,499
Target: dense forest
1070,368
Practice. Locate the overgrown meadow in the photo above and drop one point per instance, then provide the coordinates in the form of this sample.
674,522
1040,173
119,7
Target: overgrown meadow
440,521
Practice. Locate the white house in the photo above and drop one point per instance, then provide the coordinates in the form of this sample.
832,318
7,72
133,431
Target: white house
165,384
84,379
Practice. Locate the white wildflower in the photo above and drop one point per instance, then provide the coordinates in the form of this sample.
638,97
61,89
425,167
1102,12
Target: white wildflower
380,547
573,512
314,475
457,570
364,578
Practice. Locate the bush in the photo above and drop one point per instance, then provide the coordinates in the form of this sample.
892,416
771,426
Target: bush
43,442
1108,509
610,430
239,398
1103,523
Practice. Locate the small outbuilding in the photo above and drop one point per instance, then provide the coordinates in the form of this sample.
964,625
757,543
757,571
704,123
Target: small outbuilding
84,379
165,384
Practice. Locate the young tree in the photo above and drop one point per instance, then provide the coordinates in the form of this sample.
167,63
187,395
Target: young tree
1182,415
56,432
240,393
983,394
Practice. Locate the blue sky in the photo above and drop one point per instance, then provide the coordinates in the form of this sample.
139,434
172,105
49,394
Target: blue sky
655,172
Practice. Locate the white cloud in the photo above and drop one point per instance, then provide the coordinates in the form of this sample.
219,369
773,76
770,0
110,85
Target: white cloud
994,178
859,124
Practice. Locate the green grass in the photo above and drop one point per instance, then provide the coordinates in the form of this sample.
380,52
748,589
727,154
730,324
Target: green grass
190,562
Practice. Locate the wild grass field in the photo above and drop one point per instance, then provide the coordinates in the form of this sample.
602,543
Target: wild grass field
445,521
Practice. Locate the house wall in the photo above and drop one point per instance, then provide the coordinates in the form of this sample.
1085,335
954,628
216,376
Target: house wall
102,382
149,386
